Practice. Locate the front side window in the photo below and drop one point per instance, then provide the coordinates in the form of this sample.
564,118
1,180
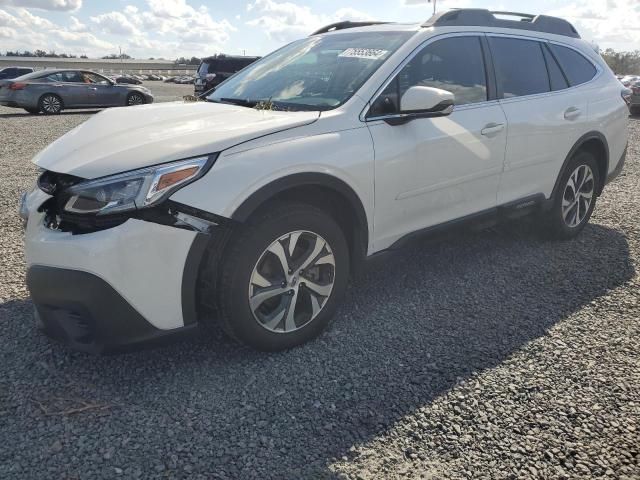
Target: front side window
454,64
577,68
520,66
317,73
89,77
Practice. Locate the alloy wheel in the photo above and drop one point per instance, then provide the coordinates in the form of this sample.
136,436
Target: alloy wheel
578,195
292,281
51,104
135,99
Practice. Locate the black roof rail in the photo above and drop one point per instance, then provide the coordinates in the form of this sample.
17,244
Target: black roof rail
343,25
480,17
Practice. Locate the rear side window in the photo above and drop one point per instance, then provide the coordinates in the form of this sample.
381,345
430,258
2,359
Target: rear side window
520,66
556,76
577,68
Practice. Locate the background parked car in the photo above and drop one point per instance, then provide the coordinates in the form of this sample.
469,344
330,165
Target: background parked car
634,98
14,72
128,80
628,80
214,70
51,91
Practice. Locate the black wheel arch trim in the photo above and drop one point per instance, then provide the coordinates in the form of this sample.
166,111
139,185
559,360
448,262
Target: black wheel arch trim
594,135
190,276
296,180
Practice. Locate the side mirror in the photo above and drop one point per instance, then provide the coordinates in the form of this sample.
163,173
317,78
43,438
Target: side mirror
427,102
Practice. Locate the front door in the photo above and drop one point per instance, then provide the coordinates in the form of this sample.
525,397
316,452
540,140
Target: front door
433,170
102,92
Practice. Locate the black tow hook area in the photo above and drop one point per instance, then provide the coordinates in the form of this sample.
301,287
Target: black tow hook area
168,213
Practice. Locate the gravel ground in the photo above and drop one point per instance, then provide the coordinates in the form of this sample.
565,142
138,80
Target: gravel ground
487,355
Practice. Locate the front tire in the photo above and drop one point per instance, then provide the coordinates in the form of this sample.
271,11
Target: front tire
576,198
284,277
135,99
50,104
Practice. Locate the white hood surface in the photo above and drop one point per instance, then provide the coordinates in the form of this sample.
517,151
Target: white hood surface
122,139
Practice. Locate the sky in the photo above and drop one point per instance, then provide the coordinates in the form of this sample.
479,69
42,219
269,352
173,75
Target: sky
177,28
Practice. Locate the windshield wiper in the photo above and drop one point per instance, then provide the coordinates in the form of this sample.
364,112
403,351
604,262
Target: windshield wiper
239,101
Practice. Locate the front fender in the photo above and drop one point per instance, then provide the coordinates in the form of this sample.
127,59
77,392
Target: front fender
346,156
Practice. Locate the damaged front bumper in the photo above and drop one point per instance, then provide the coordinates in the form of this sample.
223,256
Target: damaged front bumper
101,288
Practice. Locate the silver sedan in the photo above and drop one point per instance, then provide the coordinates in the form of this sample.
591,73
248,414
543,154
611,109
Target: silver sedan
51,91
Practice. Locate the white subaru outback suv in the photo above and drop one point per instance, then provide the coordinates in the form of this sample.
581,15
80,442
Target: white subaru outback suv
253,208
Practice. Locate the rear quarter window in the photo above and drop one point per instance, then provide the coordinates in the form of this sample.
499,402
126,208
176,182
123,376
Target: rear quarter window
576,67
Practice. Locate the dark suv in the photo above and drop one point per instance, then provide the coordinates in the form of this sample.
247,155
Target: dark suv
9,73
214,70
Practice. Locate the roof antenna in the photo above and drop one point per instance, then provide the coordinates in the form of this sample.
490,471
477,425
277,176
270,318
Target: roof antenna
434,5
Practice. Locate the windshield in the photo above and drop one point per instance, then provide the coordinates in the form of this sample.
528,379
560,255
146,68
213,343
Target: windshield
316,73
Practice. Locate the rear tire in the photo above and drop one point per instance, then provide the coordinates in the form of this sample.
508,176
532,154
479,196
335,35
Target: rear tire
283,277
50,104
576,197
634,110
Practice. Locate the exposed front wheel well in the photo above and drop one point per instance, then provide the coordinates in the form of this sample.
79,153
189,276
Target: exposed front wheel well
324,192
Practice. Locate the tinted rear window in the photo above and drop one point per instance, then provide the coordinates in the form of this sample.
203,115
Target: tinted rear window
558,80
520,66
577,68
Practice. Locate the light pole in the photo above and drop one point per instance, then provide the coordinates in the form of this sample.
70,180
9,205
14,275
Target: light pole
434,5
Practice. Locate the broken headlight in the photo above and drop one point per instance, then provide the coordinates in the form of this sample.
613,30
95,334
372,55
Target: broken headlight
133,190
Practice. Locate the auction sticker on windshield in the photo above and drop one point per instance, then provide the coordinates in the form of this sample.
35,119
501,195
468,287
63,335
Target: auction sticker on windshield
370,53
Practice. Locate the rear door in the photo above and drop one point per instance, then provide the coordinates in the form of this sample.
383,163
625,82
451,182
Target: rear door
71,88
545,116
433,170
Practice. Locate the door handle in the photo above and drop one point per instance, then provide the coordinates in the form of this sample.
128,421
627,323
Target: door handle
93,88
492,129
572,113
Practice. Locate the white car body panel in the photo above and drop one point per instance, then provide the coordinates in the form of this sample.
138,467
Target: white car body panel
407,177
122,139
432,170
142,261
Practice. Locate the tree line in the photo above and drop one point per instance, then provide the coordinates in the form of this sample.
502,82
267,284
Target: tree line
41,53
622,63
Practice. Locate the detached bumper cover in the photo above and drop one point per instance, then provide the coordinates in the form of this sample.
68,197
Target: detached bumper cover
82,310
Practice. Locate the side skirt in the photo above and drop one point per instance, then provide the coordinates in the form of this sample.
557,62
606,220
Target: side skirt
476,221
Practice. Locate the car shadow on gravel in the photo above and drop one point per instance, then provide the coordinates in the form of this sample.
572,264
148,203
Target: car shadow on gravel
63,113
412,327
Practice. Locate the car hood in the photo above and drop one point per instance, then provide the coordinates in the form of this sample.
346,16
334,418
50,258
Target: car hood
122,139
